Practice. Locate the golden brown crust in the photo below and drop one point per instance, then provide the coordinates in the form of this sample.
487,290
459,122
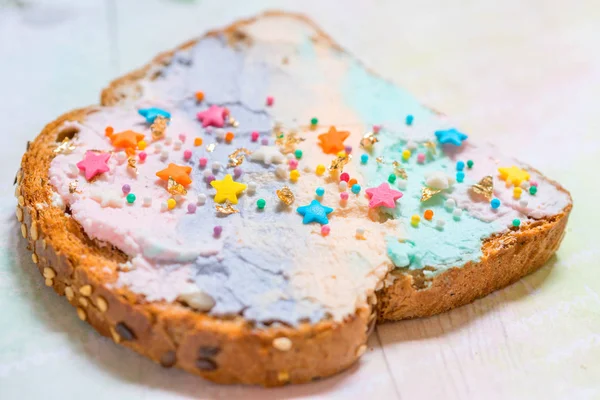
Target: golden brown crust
222,350
231,350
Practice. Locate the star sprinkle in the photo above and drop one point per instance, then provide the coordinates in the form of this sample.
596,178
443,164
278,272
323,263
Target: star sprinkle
151,113
126,139
214,116
514,175
107,199
268,155
383,195
179,173
450,136
438,180
227,189
314,212
93,164
332,142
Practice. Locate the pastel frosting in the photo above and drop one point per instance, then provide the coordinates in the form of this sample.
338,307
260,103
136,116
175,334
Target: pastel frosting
266,264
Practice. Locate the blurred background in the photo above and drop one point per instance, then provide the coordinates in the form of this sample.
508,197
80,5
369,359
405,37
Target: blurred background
523,74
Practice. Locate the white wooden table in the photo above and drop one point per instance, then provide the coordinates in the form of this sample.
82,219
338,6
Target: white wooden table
523,74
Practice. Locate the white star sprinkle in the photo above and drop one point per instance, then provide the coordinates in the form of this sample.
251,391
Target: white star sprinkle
268,155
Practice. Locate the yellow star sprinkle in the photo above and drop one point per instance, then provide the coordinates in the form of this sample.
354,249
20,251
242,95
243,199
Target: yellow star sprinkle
227,189
514,175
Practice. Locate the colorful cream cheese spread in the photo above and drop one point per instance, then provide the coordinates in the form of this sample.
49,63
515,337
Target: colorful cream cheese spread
281,180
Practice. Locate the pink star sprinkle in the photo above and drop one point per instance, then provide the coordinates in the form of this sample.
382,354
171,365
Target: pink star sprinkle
383,195
214,116
93,164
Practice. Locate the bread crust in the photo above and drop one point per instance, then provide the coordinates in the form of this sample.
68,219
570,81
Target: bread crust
231,350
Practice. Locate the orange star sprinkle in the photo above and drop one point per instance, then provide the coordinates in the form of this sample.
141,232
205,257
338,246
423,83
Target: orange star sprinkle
333,141
127,139
179,173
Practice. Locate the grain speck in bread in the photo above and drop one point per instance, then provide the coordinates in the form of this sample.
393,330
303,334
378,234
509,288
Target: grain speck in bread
300,312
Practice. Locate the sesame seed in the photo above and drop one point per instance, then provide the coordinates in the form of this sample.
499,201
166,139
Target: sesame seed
34,257
85,290
19,214
282,343
361,350
34,231
69,293
283,376
49,282
102,304
24,230
84,302
81,314
21,201
49,273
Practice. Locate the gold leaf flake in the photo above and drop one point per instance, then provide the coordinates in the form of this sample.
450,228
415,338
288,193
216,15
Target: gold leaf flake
288,142
485,187
339,162
233,122
380,160
398,170
175,188
73,187
158,127
368,140
237,157
211,147
431,147
65,147
132,163
427,193
226,208
285,195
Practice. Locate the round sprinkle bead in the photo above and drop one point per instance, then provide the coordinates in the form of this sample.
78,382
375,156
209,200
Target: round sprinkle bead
460,176
201,199
164,155
126,188
440,223
187,154
220,134
460,165
325,229
229,137
147,201
168,140
392,178
237,172
348,149
495,203
516,222
216,166
298,154
525,185
364,158
191,208
320,170
523,203
142,156
261,203
414,220
533,190
142,145
109,130
294,175
406,154
264,142
457,213
314,121
206,174
199,96
254,136
450,204
210,178
344,196
293,164
202,162
360,232
343,185
130,198
171,203
251,187
470,164
428,215
121,156
517,192
409,119
177,144
533,183
182,137
356,188
376,128
402,184
198,141
280,172
344,177
421,158
270,100
411,145
320,191
352,182
217,230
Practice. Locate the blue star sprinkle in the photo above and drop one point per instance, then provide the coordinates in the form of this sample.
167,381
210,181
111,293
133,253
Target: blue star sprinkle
314,212
151,113
451,136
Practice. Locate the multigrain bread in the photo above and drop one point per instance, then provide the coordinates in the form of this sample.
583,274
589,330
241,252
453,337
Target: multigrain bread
230,348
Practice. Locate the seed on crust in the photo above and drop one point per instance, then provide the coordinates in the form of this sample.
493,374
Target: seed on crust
49,282
102,304
21,200
115,335
361,350
81,314
85,290
34,231
19,214
34,258
283,376
282,343
17,190
206,364
44,244
19,177
168,359
68,291
124,331
24,230
208,351
49,273
83,301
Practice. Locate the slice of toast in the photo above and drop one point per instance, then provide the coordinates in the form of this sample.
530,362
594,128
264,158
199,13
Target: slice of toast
241,291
